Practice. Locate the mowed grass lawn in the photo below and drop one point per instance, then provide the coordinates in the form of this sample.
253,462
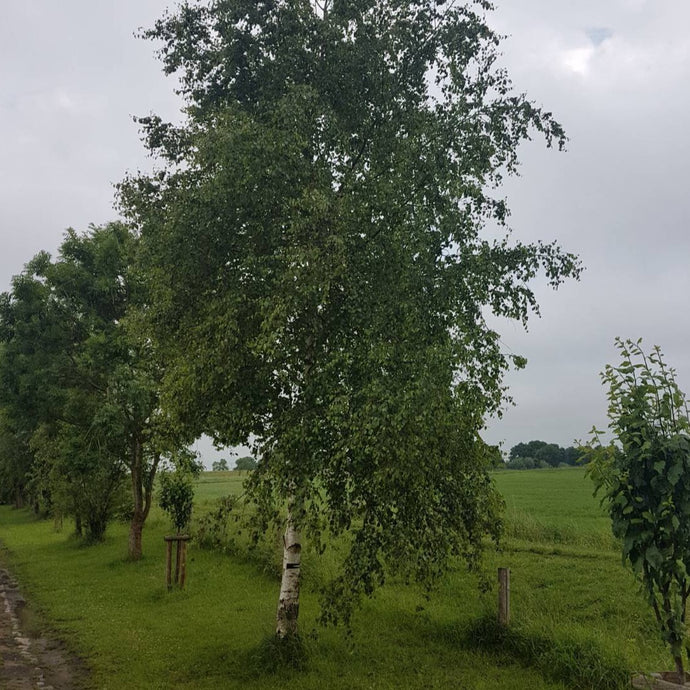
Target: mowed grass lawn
575,609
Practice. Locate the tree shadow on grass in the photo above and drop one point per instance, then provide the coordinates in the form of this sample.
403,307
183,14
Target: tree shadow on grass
577,662
574,659
267,658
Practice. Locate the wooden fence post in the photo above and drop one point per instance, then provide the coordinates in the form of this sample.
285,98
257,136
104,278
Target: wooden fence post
504,596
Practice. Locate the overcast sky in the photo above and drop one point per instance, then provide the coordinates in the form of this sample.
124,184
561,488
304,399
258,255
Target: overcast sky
616,73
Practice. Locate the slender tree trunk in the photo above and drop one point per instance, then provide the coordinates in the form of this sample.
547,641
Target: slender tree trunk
136,525
136,528
288,603
142,495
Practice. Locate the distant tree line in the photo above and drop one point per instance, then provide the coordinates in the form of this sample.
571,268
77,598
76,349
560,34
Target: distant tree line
541,455
245,463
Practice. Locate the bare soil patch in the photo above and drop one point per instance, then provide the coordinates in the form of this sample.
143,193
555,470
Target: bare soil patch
28,660
666,680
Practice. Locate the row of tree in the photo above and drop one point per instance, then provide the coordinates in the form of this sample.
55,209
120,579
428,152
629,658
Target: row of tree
80,416
306,268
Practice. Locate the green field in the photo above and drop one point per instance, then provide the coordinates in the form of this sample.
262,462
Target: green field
578,618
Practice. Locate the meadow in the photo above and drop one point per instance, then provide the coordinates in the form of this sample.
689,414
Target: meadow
578,619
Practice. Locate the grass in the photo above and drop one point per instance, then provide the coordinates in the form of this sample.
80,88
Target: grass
214,485
554,507
578,619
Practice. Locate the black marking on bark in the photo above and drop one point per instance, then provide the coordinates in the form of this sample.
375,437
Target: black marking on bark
291,566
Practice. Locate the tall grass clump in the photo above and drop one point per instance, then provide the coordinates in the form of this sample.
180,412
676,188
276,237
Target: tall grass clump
279,655
576,660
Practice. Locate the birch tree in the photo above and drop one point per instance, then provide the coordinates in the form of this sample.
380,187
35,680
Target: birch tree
321,268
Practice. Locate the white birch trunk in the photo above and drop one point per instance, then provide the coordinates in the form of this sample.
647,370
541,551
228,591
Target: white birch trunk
288,603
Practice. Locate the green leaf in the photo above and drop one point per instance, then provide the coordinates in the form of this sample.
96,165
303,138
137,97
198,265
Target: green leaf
654,557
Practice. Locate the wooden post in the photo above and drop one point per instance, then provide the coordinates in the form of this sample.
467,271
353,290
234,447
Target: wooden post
504,596
183,563
168,563
177,560
180,560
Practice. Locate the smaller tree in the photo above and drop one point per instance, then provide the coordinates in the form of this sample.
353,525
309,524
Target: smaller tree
645,475
246,463
220,465
176,495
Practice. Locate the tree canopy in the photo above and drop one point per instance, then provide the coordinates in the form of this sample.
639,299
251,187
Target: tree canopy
318,240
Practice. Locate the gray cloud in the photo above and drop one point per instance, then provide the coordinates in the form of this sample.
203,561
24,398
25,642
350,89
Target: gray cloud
73,75
618,198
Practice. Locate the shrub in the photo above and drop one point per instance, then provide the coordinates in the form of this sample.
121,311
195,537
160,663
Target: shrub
645,477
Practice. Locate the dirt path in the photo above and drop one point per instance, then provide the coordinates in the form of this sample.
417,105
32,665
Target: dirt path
28,663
